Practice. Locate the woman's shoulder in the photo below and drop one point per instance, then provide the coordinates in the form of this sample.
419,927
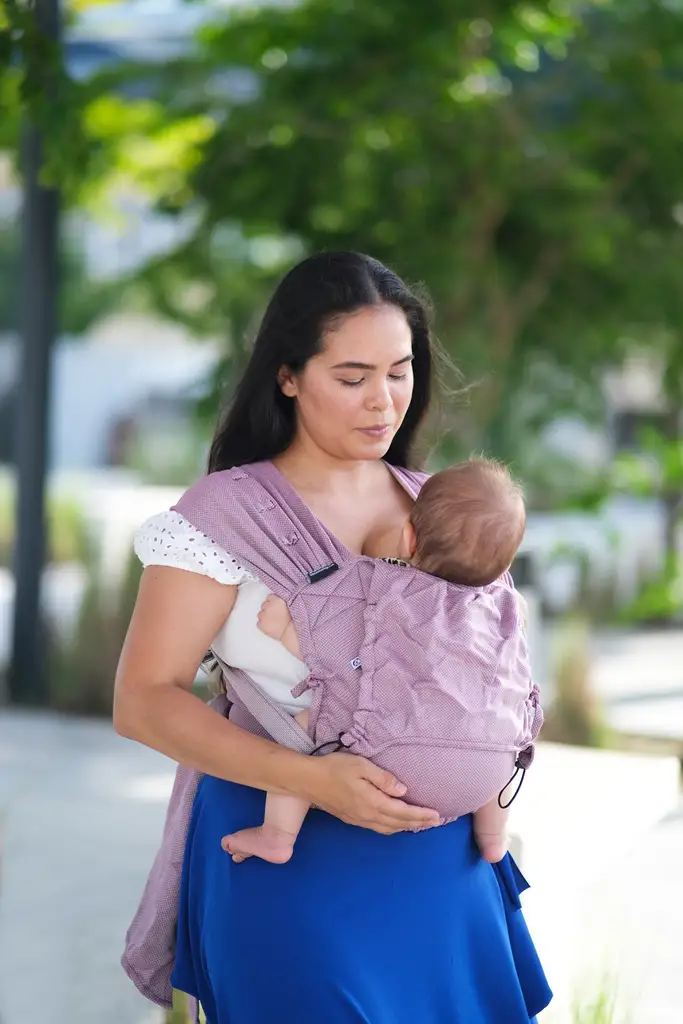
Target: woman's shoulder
220,487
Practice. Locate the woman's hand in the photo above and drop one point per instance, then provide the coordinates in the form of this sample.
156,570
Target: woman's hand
357,791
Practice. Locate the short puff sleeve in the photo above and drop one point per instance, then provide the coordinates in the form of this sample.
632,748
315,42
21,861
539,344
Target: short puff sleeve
169,539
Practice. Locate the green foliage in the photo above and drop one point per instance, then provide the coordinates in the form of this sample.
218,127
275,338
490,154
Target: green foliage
554,482
656,470
166,453
604,1007
34,84
660,599
387,128
6,526
179,1014
68,539
602,1011
83,666
575,715
524,164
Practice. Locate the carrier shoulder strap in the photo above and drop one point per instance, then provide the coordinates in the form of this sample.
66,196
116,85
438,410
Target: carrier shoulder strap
277,722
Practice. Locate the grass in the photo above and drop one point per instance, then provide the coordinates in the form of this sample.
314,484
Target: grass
179,1014
602,1008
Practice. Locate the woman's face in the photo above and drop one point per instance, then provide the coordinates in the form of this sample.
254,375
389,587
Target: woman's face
351,398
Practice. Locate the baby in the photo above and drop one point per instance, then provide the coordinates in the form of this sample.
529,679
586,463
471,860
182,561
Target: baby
465,527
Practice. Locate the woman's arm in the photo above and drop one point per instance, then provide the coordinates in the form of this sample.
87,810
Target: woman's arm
177,616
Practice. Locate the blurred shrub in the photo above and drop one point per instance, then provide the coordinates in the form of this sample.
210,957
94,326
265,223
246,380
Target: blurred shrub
600,598
576,715
176,457
578,580
83,665
555,483
660,599
67,530
68,535
82,660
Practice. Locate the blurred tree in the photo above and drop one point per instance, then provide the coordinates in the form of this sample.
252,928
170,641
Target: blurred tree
381,127
524,164
27,60
520,164
82,299
636,53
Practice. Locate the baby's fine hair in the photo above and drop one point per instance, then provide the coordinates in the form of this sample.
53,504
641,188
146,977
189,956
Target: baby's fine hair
469,521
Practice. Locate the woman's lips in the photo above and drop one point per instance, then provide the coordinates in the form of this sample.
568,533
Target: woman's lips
379,431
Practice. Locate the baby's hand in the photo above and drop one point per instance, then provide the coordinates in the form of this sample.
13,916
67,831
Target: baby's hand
274,617
275,621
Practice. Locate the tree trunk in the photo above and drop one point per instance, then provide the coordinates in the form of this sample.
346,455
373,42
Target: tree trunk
672,496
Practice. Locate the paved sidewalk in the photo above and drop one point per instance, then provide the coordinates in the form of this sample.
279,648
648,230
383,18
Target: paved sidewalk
81,812
639,677
635,665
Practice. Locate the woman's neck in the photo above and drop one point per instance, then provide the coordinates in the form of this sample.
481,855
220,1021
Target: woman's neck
311,470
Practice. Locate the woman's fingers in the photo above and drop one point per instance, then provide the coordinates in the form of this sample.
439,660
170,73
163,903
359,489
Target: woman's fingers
397,814
384,781
400,816
360,793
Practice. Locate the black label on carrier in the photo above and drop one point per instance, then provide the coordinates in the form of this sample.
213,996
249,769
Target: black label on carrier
322,574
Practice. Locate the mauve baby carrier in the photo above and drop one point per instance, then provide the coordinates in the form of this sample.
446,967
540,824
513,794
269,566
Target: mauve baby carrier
429,679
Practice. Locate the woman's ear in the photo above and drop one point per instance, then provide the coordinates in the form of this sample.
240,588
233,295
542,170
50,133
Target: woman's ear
287,382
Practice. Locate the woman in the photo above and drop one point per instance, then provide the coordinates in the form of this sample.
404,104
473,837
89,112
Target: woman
371,921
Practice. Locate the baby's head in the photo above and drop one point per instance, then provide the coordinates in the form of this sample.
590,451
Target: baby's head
467,523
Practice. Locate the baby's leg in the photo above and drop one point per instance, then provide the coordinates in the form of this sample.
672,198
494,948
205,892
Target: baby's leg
275,621
490,831
274,839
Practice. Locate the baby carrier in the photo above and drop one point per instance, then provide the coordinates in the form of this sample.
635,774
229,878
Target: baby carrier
428,679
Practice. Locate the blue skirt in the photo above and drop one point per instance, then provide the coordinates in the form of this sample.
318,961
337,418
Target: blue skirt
358,928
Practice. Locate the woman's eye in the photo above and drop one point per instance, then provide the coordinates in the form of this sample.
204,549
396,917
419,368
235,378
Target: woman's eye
361,380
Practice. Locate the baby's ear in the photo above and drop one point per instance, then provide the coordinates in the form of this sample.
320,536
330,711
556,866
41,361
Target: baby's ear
408,542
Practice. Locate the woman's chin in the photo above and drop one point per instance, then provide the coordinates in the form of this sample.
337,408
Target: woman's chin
373,447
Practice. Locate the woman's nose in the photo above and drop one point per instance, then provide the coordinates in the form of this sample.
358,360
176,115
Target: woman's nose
380,398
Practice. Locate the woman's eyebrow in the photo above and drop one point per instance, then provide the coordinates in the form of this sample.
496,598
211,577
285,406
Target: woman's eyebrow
370,366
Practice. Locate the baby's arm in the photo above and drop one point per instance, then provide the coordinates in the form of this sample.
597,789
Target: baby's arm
275,621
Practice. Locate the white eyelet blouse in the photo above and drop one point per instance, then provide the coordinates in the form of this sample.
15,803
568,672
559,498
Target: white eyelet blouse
169,539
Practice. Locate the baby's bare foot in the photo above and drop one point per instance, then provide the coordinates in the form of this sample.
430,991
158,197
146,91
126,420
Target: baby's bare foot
266,842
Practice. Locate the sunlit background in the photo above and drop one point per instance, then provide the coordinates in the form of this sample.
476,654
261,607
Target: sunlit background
524,168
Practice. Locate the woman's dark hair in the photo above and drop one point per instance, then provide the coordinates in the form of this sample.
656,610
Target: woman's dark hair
260,421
